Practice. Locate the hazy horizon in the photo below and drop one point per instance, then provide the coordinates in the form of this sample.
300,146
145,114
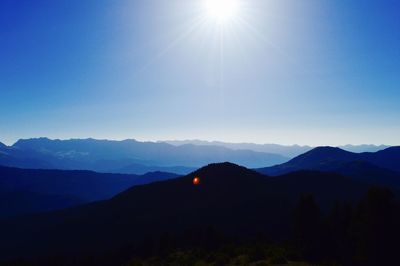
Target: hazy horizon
10,143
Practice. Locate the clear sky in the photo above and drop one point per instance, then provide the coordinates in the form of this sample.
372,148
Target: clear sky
318,72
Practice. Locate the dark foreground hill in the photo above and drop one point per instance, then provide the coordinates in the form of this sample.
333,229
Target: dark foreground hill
25,191
231,199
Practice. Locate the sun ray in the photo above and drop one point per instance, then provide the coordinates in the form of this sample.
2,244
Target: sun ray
259,35
194,26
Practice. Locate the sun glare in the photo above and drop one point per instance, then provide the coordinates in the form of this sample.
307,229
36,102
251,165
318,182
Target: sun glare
222,10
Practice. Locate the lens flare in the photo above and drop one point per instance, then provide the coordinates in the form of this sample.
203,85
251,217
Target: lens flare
196,181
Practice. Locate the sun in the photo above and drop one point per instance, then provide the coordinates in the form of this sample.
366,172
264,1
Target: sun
222,11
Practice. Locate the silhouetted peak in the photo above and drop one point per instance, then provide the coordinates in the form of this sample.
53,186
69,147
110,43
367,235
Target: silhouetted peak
225,166
224,173
327,149
324,151
320,155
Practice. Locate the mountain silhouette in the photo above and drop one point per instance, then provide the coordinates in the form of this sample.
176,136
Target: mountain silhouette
130,156
10,156
286,151
230,198
388,158
30,191
289,151
383,165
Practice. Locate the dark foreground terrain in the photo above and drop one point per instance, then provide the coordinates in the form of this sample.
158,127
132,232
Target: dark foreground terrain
236,216
29,191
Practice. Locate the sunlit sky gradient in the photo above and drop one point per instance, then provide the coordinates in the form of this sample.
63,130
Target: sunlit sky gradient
317,72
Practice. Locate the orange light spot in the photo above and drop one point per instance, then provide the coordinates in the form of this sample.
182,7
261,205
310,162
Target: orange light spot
196,181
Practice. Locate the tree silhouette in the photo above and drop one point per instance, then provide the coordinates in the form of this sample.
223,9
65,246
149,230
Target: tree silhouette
308,228
378,222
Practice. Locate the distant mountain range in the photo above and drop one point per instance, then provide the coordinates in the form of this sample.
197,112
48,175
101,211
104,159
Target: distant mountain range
289,151
24,191
382,167
31,191
230,198
134,157
128,156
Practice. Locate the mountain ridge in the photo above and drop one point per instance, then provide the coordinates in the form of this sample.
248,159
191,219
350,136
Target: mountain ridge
331,159
289,151
112,156
75,187
230,198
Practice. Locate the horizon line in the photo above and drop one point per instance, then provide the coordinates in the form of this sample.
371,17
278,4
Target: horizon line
211,142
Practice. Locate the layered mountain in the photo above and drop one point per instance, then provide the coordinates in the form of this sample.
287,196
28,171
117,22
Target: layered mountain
128,156
363,148
289,151
25,191
230,198
10,156
382,167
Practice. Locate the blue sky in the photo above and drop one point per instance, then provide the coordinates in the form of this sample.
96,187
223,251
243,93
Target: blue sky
317,72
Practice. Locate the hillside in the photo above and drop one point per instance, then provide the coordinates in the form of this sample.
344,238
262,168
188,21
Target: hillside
231,199
383,163
30,191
